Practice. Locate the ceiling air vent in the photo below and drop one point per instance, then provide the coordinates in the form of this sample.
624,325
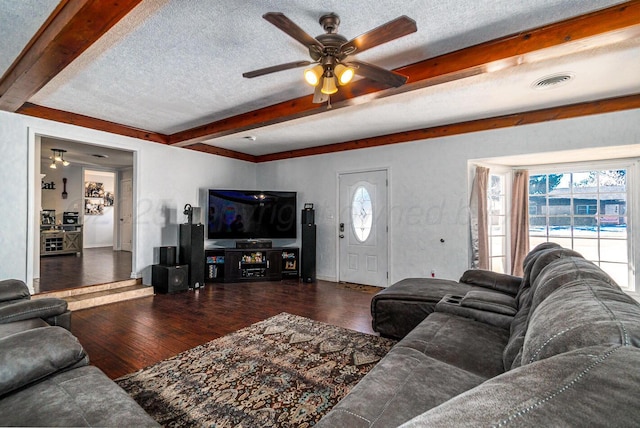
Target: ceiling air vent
552,81
100,156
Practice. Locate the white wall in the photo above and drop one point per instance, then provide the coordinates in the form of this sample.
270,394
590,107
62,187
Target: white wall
52,199
429,186
166,178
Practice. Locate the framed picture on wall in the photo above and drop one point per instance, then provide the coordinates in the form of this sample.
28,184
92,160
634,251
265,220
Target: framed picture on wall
93,189
109,197
94,206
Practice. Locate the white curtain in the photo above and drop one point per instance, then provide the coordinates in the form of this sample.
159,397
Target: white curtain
478,220
519,220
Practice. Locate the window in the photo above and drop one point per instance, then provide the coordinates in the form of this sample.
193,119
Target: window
585,211
361,214
497,217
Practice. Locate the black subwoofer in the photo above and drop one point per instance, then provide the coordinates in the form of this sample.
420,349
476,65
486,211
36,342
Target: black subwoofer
170,279
168,256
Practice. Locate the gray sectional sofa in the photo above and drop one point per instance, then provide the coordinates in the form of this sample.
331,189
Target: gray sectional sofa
568,356
45,376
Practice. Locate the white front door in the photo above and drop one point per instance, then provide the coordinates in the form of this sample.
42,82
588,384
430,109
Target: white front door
363,253
126,214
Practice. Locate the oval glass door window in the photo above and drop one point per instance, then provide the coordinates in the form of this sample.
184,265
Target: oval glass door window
361,214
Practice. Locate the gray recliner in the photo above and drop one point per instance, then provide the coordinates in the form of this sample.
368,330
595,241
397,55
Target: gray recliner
16,305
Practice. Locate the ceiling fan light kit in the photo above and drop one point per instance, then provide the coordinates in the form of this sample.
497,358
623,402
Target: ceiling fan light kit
344,74
329,85
313,75
331,53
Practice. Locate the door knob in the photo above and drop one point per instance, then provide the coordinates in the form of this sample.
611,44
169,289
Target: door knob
342,236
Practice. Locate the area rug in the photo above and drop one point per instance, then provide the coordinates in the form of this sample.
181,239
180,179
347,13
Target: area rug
285,371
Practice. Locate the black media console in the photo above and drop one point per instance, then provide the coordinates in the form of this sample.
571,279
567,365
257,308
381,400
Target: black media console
251,264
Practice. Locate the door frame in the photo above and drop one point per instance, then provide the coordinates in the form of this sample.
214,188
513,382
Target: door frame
32,267
387,171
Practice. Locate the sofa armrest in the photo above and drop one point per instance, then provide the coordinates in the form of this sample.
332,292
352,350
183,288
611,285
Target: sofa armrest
61,320
501,282
453,305
490,301
37,308
32,355
13,289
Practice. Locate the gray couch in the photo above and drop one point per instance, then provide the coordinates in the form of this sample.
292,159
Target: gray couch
569,356
45,376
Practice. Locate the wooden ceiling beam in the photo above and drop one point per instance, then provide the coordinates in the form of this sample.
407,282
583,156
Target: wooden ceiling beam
205,148
526,118
70,30
90,122
76,24
587,31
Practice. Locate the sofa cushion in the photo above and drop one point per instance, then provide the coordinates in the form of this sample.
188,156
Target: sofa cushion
397,309
562,271
581,313
7,329
31,355
545,257
38,308
84,396
490,301
461,342
529,260
13,289
535,265
501,282
404,384
595,386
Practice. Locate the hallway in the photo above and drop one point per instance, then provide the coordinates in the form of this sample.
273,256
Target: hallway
95,266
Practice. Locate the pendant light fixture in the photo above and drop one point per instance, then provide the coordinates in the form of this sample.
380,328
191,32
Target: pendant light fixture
58,156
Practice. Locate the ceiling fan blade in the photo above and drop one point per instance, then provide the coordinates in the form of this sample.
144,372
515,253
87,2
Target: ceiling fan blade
379,74
288,26
394,29
274,68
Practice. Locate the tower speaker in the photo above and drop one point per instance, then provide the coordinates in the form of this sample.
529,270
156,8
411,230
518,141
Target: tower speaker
168,256
308,253
170,279
307,216
192,252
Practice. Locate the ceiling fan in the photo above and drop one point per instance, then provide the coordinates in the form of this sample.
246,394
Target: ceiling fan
331,52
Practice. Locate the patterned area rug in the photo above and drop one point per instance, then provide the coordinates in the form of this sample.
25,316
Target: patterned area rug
284,371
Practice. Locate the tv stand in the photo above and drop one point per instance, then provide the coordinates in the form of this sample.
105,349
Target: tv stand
251,264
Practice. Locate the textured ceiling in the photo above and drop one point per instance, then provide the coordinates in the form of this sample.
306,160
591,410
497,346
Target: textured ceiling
19,20
171,65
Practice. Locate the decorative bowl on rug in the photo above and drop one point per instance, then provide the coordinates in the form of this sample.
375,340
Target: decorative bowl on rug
284,371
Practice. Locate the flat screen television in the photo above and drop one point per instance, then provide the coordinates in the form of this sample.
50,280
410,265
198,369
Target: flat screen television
251,214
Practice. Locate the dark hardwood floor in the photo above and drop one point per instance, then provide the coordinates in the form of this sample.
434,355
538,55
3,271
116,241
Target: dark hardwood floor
123,337
94,266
